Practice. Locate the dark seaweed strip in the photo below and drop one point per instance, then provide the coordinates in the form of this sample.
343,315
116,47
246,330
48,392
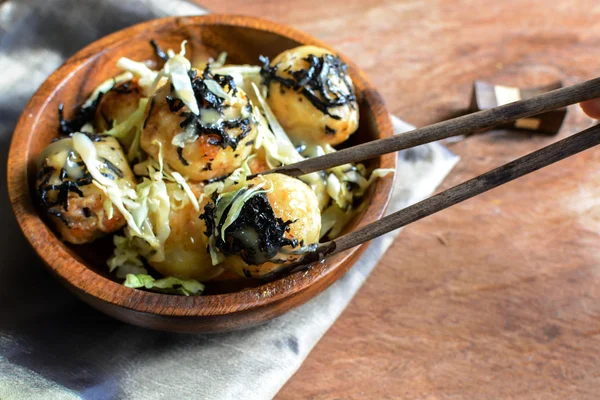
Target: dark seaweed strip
107,176
188,119
215,142
329,131
226,82
210,215
216,179
181,158
85,180
44,176
149,113
112,167
82,116
45,173
159,51
174,104
64,188
315,83
256,215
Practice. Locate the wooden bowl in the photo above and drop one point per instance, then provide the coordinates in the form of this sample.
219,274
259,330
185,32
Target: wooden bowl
233,304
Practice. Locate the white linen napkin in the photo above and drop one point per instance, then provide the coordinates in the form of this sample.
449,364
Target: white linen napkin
54,347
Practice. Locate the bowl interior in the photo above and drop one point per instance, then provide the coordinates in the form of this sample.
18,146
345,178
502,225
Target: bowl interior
244,42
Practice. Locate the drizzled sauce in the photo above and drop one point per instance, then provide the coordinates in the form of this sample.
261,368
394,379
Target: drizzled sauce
226,124
257,235
61,172
325,82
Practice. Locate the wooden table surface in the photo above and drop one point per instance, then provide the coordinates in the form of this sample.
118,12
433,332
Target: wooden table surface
498,297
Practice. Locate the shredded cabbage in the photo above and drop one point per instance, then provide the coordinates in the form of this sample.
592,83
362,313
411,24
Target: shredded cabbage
282,149
129,132
88,127
117,191
171,284
186,188
279,149
220,61
243,76
236,180
214,87
106,86
150,166
176,70
334,219
146,76
188,135
152,213
125,259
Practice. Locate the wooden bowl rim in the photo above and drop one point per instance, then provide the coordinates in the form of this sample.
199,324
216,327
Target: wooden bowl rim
81,278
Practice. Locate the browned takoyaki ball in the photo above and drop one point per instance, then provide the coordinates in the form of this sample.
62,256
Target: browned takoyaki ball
205,146
293,202
66,193
116,105
185,251
312,95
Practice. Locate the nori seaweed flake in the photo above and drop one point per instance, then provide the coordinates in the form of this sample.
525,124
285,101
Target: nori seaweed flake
181,157
329,131
219,132
175,104
256,216
60,191
82,116
149,113
159,51
112,167
315,82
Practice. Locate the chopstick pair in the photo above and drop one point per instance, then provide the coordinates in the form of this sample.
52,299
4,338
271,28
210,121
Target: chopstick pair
459,126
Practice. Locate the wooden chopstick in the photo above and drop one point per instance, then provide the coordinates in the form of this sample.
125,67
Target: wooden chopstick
532,162
458,126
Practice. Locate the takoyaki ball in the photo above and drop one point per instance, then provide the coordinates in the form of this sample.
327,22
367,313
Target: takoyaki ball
116,105
66,193
205,146
288,220
311,95
185,251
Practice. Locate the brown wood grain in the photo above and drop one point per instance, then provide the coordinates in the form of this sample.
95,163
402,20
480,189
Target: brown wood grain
83,270
498,297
